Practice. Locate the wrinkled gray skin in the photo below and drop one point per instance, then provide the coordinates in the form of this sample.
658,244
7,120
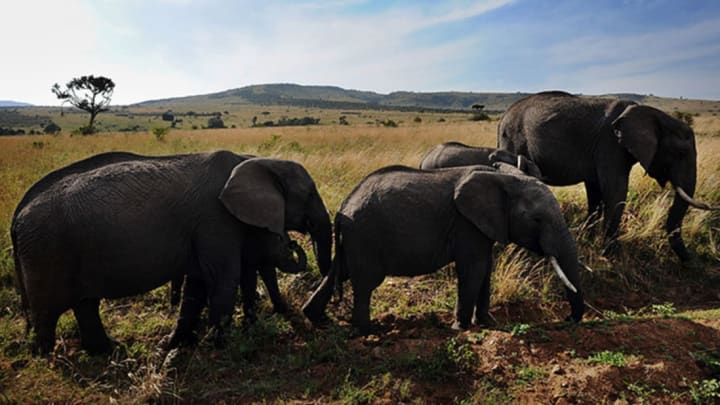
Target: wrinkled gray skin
454,154
406,222
596,141
265,253
119,224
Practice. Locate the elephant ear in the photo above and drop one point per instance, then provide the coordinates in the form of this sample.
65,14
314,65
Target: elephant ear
252,194
481,198
637,130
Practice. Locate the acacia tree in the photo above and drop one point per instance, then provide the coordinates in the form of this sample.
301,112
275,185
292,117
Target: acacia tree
88,93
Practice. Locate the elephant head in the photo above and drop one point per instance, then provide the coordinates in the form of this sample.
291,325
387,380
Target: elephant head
525,165
508,208
279,195
665,147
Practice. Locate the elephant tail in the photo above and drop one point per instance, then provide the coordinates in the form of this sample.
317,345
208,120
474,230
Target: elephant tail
20,283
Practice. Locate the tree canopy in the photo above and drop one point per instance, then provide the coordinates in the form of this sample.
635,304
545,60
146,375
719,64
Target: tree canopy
88,93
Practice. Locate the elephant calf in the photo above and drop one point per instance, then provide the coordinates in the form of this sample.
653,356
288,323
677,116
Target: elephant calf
454,154
265,252
406,222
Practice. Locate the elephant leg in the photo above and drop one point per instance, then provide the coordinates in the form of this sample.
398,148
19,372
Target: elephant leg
269,277
92,333
194,300
45,324
614,190
362,292
176,285
473,265
594,197
482,305
248,289
222,304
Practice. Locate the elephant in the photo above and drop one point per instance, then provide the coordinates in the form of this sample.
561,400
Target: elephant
407,222
119,224
453,154
596,141
264,254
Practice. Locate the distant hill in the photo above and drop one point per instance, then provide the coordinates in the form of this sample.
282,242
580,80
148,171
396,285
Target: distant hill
336,97
332,97
10,103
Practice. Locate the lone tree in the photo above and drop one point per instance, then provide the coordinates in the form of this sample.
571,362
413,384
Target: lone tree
88,93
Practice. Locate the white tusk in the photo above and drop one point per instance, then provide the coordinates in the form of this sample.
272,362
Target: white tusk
562,275
692,201
519,162
588,268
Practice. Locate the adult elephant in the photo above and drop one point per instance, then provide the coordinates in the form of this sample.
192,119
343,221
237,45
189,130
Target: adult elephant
597,141
454,154
407,222
119,224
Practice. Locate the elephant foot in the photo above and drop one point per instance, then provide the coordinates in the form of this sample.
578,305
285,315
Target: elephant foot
176,340
485,321
100,346
612,249
44,348
218,339
460,326
280,308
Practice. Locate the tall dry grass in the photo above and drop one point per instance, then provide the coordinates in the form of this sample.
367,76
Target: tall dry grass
340,156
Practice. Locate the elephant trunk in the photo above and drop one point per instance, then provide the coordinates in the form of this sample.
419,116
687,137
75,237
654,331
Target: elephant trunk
298,261
321,233
560,247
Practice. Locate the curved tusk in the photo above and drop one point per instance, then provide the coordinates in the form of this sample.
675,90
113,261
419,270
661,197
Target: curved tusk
692,201
588,268
519,163
561,274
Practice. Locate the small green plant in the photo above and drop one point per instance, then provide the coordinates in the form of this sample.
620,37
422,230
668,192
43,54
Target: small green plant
665,310
705,391
529,374
349,393
160,133
520,329
461,355
708,359
642,392
615,359
270,143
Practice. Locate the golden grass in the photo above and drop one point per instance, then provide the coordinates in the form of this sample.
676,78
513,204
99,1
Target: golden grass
337,157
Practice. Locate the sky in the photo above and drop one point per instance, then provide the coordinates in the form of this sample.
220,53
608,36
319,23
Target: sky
169,48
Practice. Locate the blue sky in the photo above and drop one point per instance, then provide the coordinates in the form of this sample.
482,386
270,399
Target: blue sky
167,48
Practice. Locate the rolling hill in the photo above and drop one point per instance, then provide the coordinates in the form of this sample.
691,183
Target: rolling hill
333,97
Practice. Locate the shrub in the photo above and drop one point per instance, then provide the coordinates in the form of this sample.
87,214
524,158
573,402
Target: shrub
52,128
160,133
215,122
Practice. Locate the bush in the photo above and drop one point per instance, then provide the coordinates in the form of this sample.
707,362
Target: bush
160,133
52,128
215,122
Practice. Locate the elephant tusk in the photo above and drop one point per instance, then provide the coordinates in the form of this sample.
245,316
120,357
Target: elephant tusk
588,268
519,162
692,201
561,274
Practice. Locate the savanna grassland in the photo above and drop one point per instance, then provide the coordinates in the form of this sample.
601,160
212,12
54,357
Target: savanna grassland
651,333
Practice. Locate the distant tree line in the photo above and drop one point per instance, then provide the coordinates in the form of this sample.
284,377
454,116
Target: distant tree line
288,122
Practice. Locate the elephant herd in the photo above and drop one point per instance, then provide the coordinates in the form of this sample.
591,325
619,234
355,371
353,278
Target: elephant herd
119,224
